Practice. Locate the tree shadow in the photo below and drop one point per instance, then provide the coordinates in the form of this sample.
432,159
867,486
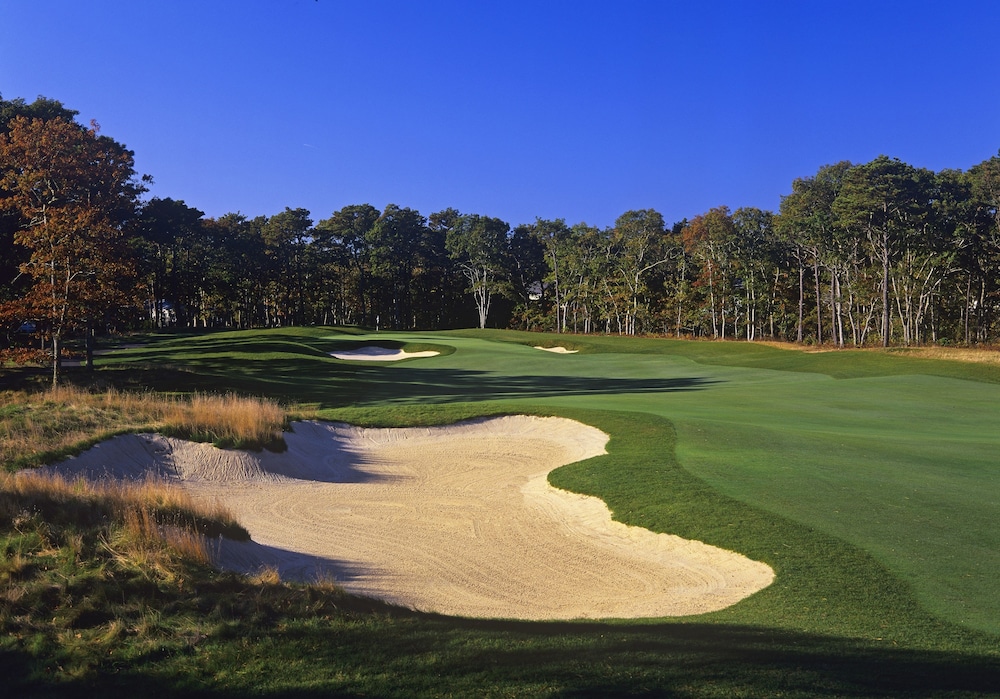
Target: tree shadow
414,650
369,386
330,383
655,658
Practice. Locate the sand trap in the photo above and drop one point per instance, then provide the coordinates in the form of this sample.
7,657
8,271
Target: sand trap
457,520
557,350
381,354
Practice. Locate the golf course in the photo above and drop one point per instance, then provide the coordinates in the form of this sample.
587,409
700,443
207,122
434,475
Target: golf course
865,482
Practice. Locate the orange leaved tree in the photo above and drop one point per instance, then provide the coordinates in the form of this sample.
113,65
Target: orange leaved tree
73,190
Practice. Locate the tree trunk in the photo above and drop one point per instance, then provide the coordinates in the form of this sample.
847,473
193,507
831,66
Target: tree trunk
802,298
885,289
90,346
56,360
968,306
819,301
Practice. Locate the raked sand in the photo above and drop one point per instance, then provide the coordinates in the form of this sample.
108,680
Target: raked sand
458,520
380,354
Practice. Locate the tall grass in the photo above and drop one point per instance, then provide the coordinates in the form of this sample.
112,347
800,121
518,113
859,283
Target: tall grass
227,420
974,355
150,520
985,355
41,427
87,569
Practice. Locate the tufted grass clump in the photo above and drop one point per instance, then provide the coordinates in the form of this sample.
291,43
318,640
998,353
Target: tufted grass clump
227,420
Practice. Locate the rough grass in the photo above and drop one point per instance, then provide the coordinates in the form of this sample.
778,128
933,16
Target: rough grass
227,420
97,578
975,355
41,427
148,507
983,355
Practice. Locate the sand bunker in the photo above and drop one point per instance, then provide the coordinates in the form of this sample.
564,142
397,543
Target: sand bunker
381,354
557,350
458,520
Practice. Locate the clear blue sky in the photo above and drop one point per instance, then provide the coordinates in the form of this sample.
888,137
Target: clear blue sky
555,109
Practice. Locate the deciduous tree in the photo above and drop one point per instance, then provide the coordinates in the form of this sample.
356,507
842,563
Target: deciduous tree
886,201
74,189
478,245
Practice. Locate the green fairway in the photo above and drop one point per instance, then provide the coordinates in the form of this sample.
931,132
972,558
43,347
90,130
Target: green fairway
905,467
901,465
867,481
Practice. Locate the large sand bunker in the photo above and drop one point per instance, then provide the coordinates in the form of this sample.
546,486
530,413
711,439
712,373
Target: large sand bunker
457,520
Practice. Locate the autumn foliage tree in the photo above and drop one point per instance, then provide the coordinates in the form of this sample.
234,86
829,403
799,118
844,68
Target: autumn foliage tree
858,253
72,189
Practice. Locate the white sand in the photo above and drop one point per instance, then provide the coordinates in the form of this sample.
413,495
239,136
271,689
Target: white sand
381,354
457,520
557,350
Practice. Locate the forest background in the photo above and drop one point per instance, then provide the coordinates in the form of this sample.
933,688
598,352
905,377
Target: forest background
875,253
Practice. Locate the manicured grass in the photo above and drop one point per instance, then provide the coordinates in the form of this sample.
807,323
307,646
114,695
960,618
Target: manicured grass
895,460
887,457
866,480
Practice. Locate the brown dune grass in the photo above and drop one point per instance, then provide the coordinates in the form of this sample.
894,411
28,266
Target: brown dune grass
149,517
37,428
984,355
975,355
229,419
151,521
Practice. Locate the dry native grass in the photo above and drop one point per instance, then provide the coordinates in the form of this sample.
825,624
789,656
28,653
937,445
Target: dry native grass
153,520
975,355
40,427
958,354
229,419
148,524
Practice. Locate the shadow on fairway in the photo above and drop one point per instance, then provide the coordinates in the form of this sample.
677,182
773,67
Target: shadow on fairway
312,377
704,660
514,658
333,385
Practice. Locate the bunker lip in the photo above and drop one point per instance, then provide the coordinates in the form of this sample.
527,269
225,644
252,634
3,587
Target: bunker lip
380,354
556,350
457,520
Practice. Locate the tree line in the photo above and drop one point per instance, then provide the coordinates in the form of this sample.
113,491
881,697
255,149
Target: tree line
858,254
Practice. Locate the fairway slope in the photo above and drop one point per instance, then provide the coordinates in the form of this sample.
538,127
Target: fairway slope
458,520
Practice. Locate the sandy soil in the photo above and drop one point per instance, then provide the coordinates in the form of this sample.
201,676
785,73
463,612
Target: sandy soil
381,354
557,350
458,520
